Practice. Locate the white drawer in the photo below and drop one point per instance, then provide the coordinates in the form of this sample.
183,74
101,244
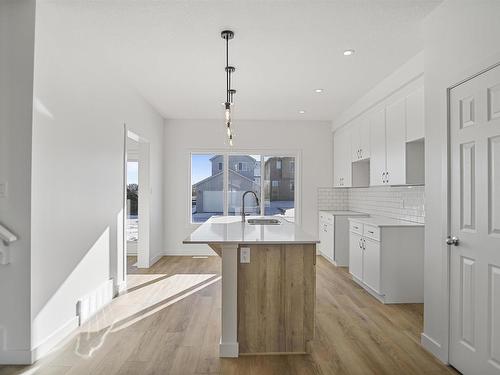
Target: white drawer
372,232
356,227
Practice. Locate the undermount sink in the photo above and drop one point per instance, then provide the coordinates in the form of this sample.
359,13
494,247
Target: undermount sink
263,221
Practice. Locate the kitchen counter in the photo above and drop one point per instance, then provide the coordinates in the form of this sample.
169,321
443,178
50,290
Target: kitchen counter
268,284
231,230
379,221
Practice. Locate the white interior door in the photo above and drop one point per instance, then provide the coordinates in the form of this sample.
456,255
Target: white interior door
475,220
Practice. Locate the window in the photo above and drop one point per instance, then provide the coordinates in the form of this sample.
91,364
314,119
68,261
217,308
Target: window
217,188
207,182
242,179
279,188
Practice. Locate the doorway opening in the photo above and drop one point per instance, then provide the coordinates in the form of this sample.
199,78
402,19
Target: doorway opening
136,252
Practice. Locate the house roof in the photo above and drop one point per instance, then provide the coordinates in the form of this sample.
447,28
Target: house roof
219,174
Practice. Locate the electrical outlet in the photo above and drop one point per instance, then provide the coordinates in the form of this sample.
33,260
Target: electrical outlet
245,255
3,190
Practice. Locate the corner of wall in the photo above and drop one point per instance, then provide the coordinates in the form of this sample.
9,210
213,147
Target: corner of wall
13,357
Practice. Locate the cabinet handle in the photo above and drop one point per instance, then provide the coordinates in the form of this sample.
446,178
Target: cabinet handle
364,244
359,244
383,177
387,177
370,231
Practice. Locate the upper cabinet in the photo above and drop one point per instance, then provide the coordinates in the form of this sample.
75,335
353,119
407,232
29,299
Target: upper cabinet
360,139
385,144
395,139
415,115
377,147
342,158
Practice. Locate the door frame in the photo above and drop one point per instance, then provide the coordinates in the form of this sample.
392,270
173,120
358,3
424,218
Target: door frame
143,245
471,73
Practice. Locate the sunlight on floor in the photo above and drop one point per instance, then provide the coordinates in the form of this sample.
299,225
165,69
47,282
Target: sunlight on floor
150,294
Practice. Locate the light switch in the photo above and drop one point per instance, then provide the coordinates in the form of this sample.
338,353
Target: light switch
245,255
3,190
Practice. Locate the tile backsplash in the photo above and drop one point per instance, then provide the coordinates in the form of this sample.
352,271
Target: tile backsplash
401,202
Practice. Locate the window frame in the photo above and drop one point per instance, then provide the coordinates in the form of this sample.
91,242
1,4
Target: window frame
263,153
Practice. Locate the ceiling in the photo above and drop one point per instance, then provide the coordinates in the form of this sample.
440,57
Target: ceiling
172,53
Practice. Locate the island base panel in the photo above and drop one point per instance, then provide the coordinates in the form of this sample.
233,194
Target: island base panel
276,299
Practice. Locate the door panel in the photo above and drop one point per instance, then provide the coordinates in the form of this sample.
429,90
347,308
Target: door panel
415,115
371,264
467,298
377,147
468,181
396,142
355,255
494,316
475,220
494,193
364,137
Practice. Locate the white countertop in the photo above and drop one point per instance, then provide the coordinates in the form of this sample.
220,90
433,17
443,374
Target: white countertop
230,229
379,221
343,213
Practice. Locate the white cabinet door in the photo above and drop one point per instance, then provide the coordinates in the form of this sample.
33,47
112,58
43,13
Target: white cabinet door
354,129
322,237
371,264
342,158
377,147
415,115
329,243
337,159
395,126
355,255
364,137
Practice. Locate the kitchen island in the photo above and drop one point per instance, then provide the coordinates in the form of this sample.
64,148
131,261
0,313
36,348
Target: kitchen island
268,283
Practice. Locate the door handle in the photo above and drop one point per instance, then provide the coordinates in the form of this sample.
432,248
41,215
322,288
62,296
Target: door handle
452,241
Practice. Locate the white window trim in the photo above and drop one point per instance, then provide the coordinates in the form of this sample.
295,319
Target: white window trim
297,154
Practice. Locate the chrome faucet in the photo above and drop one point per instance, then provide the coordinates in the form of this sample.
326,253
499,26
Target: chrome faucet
243,203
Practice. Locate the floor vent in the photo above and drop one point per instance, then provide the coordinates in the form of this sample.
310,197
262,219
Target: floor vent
200,257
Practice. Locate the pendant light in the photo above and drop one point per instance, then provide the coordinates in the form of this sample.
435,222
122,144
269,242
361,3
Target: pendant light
228,120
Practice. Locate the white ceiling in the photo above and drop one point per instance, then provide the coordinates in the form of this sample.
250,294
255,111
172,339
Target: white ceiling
171,51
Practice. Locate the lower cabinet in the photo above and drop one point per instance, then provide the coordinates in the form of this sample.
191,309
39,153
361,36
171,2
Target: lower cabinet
355,255
387,261
371,257
334,236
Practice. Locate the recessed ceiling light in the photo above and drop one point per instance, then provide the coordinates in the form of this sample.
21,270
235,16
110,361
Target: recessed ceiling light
318,90
302,111
348,52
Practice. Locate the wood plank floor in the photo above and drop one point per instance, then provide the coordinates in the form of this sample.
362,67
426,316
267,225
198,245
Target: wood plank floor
169,323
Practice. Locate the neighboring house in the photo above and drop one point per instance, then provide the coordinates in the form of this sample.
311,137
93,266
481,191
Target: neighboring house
279,173
242,177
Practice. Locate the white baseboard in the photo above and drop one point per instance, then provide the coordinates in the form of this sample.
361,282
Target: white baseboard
12,357
155,259
433,347
64,332
228,349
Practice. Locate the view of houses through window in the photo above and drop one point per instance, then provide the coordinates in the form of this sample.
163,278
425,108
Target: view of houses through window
272,178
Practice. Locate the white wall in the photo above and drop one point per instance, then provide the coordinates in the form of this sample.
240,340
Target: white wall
312,139
462,37
405,75
17,27
77,173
